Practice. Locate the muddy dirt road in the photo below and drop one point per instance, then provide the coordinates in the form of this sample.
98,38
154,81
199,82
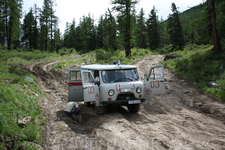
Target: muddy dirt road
182,119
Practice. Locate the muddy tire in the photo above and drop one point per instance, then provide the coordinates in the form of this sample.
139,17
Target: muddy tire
87,104
133,108
100,110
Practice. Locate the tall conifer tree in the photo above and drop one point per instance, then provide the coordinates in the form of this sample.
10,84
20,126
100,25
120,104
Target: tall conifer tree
141,30
153,30
10,21
28,30
175,29
48,22
124,7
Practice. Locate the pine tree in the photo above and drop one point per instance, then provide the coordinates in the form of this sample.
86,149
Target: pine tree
124,7
153,30
48,23
28,30
141,30
10,21
52,25
109,31
2,23
100,30
36,28
70,35
58,40
164,37
66,37
175,29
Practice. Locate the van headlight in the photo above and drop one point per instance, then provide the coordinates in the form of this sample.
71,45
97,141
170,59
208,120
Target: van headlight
111,92
138,90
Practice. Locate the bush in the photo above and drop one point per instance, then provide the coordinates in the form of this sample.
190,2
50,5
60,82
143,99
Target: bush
66,51
100,55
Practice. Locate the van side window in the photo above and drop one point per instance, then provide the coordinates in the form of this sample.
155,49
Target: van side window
87,78
75,75
156,73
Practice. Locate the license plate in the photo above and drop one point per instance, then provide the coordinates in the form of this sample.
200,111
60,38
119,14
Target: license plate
134,102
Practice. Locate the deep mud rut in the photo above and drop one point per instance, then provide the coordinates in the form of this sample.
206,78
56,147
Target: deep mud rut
182,119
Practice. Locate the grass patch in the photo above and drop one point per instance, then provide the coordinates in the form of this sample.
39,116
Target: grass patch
201,66
88,58
18,99
104,57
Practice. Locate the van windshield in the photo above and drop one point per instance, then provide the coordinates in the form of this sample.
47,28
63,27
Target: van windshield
111,76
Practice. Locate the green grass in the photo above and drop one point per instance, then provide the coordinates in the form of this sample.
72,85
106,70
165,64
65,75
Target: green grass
89,58
103,57
200,65
17,100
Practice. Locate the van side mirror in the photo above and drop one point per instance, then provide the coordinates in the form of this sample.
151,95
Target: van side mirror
146,76
97,80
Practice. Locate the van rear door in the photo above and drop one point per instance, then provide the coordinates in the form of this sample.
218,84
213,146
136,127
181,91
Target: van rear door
75,89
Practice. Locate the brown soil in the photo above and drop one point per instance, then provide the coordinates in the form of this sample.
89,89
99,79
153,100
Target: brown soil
183,118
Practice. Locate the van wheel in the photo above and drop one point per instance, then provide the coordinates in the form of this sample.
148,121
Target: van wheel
133,108
88,104
100,110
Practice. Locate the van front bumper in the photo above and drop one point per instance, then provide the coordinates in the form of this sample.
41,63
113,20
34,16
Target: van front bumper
123,102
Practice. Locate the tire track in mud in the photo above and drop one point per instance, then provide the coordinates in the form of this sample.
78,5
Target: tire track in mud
183,118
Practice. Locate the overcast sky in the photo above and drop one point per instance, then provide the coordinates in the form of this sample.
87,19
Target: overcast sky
66,10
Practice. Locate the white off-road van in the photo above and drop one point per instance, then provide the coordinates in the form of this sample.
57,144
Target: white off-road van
114,84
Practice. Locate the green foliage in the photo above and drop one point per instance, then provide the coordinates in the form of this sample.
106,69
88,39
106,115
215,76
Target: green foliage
24,56
194,22
16,102
47,22
29,37
19,98
10,15
100,54
66,51
108,57
125,21
153,32
201,66
175,30
87,58
103,56
140,32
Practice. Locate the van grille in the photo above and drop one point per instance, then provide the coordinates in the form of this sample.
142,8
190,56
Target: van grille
125,96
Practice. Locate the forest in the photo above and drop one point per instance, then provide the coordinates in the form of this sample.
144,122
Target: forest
202,24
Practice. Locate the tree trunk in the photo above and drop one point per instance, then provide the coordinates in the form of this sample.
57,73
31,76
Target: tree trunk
127,30
216,40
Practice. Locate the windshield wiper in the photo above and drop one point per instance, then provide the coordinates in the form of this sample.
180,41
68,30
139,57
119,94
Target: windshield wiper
122,79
